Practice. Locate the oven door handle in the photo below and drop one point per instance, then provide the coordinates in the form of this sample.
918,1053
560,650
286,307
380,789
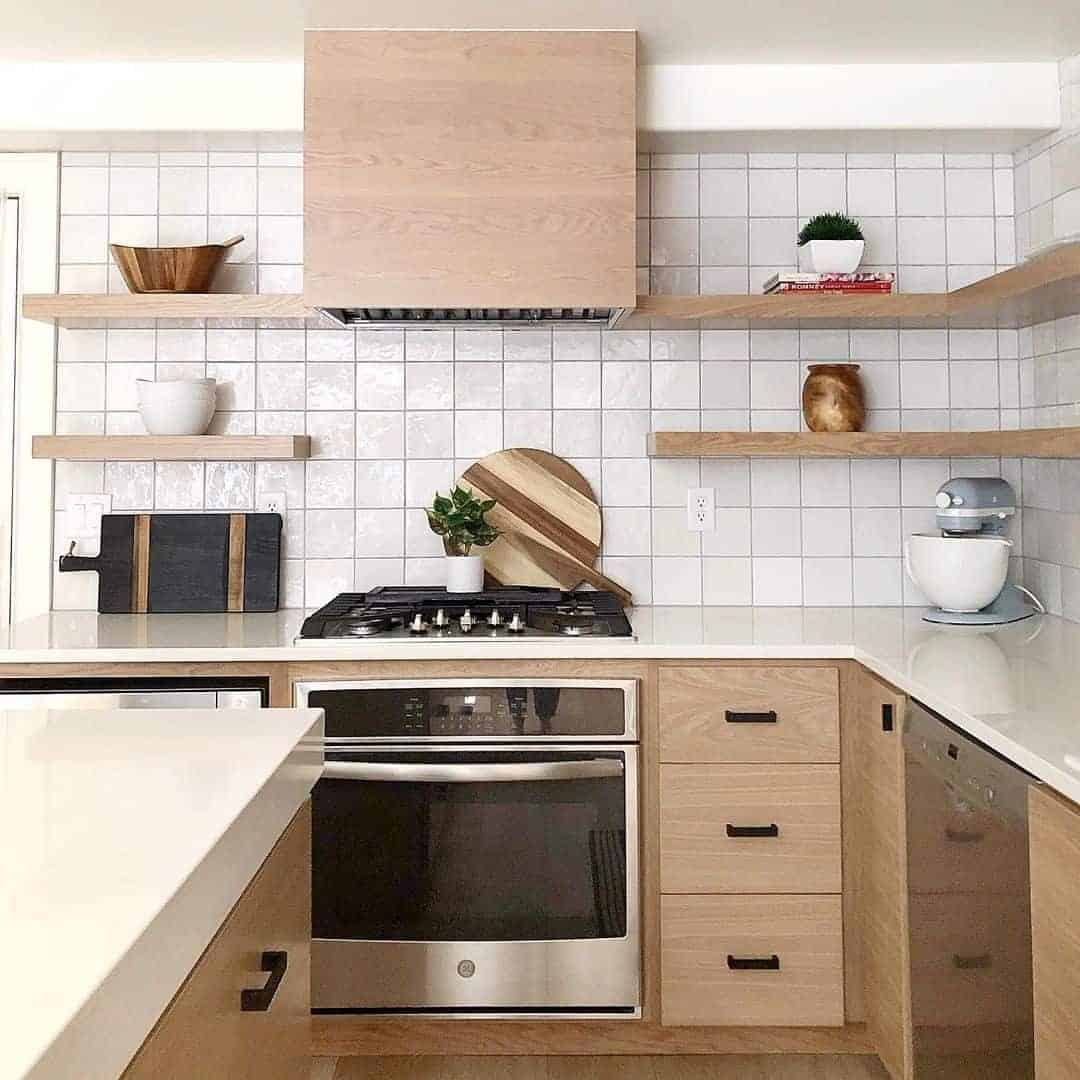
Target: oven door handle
478,773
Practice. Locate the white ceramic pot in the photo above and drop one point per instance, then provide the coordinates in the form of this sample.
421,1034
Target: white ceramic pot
958,573
464,573
176,406
833,256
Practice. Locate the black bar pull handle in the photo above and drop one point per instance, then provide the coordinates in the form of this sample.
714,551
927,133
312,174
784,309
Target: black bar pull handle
963,836
753,830
972,963
733,717
754,963
887,717
275,962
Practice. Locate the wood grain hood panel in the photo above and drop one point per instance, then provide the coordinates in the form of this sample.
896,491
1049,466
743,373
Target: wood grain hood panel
488,171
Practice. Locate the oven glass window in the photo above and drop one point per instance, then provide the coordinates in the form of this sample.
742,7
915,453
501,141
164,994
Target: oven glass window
487,858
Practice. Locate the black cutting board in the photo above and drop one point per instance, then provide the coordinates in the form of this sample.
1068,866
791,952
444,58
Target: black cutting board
185,563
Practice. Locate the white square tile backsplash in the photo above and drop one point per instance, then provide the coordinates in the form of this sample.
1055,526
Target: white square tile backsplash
396,415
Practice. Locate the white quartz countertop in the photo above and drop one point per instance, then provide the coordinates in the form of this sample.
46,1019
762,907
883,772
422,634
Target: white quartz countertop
1017,688
125,839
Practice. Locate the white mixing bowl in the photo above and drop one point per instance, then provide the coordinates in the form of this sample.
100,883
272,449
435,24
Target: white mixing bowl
177,406
958,573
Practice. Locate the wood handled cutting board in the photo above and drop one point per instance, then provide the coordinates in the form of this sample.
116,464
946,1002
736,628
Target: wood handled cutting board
547,502
185,562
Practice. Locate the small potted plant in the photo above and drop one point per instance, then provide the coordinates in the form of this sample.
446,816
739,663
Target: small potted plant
459,520
833,242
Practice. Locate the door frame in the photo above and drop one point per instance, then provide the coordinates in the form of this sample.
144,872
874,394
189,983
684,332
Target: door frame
35,180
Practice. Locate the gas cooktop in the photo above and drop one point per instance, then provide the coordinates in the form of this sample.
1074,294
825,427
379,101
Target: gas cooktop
424,613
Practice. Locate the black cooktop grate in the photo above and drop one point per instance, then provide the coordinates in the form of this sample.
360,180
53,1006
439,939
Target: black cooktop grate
541,608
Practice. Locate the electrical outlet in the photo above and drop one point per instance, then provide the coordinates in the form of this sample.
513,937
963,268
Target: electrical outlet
82,519
270,502
701,509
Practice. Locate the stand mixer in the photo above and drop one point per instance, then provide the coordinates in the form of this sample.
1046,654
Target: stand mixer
962,571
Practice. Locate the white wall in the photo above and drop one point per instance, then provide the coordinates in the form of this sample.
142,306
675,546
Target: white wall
396,415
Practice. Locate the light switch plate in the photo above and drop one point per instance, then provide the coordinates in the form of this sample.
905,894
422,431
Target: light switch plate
701,509
82,520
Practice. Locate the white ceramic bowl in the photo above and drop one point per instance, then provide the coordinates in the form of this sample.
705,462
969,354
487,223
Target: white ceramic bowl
958,573
177,406
833,256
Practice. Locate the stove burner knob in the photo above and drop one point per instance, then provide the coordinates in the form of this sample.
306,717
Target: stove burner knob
516,625
417,624
466,622
440,620
494,619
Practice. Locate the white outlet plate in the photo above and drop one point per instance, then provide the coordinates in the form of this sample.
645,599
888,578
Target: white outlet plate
82,519
701,509
271,502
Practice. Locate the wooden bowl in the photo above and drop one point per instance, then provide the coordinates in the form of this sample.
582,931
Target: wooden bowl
170,269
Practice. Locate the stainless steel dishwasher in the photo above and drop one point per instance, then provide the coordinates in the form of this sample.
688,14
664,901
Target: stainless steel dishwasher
139,693
968,904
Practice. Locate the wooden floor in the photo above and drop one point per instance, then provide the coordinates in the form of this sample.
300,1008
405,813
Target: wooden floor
726,1067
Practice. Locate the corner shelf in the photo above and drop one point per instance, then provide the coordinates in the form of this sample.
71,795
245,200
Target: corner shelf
1043,288
1032,443
76,308
172,447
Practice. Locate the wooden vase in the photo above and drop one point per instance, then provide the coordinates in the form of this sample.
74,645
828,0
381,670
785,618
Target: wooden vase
832,398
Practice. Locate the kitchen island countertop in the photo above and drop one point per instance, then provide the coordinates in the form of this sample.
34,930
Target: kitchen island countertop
126,839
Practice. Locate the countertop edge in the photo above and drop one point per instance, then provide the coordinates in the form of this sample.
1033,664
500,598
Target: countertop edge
120,1012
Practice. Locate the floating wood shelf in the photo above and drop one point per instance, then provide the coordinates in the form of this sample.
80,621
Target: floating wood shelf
1043,288
172,447
81,307
1033,443
1046,287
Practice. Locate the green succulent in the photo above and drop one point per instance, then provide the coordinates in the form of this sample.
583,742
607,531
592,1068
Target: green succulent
830,227
459,520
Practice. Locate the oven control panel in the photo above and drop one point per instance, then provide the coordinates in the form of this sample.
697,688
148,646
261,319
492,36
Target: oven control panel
479,711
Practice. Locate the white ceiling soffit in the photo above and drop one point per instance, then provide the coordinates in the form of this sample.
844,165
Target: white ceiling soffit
865,106
855,107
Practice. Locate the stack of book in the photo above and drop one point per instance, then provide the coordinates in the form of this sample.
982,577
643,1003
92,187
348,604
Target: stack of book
831,283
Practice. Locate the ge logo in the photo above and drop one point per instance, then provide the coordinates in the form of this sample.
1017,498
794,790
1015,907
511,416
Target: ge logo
466,969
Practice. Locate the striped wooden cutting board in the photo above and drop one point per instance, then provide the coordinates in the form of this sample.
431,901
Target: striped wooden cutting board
185,562
544,498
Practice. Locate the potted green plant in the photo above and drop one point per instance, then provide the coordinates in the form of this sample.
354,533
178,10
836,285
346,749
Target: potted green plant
459,520
833,242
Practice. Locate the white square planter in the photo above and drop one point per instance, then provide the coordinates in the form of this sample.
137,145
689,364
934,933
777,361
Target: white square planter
832,256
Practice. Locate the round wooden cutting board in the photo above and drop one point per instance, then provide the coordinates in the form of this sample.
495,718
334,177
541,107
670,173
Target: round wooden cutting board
548,518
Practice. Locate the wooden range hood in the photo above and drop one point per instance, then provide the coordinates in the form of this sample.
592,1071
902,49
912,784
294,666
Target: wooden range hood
469,177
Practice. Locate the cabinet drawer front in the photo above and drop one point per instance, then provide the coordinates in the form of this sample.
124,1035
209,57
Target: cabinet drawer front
750,828
752,960
204,1031
753,714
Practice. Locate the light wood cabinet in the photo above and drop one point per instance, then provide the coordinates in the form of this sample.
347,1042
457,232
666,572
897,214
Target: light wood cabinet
469,169
204,1032
749,714
753,960
750,828
876,870
1055,930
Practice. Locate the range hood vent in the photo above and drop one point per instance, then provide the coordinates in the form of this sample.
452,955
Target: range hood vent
466,318
470,177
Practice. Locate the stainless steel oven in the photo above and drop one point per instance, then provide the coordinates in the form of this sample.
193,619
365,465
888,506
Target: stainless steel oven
476,847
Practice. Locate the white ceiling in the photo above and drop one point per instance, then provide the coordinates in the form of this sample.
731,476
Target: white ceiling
672,31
